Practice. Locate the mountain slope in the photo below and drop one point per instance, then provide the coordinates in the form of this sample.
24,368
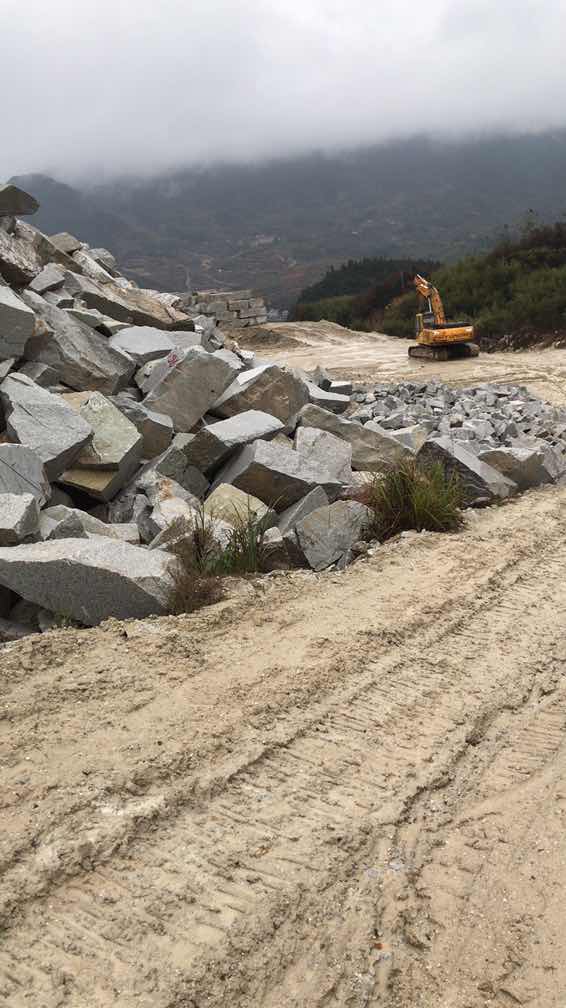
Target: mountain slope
279,225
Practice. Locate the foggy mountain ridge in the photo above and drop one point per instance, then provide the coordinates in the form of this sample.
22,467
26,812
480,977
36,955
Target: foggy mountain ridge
277,225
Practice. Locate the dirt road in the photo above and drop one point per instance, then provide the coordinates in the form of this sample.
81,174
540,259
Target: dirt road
334,790
371,355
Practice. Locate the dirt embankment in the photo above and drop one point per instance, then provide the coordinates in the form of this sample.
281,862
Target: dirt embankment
333,790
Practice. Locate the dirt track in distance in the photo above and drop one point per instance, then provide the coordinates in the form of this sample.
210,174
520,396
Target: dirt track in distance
329,791
367,356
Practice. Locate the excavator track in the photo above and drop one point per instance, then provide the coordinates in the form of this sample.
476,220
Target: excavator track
444,353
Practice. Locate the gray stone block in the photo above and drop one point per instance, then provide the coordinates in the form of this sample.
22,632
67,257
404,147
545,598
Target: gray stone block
108,461
327,400
268,388
19,518
81,357
326,536
22,471
317,498
143,343
17,324
15,202
50,278
43,422
326,449
234,507
192,380
277,475
89,579
210,446
481,483
373,450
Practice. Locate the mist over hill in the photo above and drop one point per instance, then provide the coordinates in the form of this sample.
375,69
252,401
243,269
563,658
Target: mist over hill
277,226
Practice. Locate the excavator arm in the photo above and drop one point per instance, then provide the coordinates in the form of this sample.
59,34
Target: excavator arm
433,297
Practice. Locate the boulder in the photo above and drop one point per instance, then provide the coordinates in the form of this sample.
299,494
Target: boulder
15,202
211,445
173,464
19,259
412,437
89,579
156,429
288,519
81,357
91,268
149,374
43,422
341,388
50,278
481,483
19,518
233,506
373,450
329,400
143,343
523,464
192,380
60,522
275,555
327,449
21,472
269,388
17,323
277,475
41,374
326,536
107,462
167,512
66,242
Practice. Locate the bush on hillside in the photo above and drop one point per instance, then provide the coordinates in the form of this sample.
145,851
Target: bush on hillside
519,288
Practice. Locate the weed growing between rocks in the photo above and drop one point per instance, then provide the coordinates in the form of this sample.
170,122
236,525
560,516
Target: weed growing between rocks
203,560
245,551
412,495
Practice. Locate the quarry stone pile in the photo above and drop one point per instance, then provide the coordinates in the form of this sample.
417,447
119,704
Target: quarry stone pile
234,309
128,416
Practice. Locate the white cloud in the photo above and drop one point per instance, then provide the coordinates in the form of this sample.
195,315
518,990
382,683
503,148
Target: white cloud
139,85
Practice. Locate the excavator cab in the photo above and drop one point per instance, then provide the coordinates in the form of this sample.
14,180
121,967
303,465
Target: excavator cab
436,338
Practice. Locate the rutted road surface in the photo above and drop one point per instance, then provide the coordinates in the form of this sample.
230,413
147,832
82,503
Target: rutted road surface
330,790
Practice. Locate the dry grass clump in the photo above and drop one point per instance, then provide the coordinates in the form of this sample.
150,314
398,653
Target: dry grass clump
203,561
413,495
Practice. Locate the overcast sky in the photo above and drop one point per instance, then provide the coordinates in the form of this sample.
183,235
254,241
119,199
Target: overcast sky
109,86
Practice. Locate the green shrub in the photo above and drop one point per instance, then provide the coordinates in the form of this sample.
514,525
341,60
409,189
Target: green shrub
413,495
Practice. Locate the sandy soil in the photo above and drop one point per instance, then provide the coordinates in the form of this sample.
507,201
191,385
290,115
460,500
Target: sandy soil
372,355
336,790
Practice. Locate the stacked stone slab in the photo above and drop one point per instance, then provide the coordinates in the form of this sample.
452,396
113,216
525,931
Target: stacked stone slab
232,309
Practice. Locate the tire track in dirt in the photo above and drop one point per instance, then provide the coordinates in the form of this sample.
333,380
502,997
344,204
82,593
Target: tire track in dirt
273,878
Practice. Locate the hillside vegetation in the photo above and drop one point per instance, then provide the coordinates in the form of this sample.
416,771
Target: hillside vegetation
356,293
515,295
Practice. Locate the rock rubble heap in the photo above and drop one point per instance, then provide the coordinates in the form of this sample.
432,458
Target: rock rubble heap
123,410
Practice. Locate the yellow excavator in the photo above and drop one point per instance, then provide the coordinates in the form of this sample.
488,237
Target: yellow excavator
436,338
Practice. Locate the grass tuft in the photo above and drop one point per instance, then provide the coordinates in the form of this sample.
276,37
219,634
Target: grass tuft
413,495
